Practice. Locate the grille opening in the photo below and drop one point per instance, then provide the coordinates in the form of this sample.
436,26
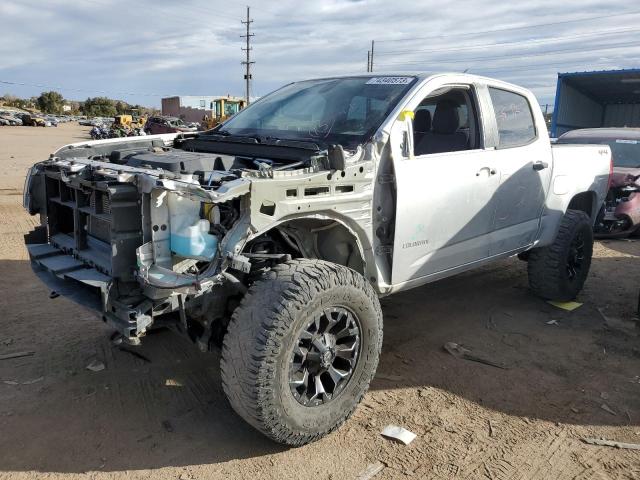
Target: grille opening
100,202
99,228
53,187
83,199
292,192
83,223
67,194
60,219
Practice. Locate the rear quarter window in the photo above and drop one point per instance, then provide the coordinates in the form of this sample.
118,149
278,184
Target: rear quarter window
514,118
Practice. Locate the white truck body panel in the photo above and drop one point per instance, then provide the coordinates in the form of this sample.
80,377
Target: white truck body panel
454,210
458,210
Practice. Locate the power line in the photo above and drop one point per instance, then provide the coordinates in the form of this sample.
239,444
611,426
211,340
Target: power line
517,55
503,44
247,63
81,90
180,14
93,91
508,29
528,68
201,9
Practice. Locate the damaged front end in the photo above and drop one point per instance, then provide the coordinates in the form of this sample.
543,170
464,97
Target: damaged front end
620,214
132,243
147,234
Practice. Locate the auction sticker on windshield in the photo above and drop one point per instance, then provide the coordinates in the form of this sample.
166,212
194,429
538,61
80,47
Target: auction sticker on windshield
389,81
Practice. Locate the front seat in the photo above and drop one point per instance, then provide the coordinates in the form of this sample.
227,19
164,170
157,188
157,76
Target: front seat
444,135
421,125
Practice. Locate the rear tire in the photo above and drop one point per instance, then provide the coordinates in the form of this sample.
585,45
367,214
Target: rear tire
558,271
302,316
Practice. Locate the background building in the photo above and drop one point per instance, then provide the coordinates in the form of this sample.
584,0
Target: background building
193,108
608,98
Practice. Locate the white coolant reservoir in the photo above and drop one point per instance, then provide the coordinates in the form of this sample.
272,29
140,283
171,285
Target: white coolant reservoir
190,237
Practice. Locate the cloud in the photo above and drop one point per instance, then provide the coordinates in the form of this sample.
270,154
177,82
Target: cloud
140,50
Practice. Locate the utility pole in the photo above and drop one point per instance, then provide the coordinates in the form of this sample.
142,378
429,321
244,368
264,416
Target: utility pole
371,61
368,59
247,63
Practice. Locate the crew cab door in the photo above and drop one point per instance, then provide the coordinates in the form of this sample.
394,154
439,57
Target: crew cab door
444,208
523,160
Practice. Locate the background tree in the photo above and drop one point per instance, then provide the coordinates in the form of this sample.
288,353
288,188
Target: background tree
50,102
121,107
99,107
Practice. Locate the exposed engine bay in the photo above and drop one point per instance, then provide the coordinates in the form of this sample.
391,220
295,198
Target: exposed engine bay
173,231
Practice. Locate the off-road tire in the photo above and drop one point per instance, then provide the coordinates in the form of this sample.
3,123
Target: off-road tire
547,266
260,339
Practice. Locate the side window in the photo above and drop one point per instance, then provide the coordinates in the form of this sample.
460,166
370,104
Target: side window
513,117
446,121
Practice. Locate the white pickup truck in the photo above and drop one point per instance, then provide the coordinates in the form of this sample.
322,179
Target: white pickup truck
273,235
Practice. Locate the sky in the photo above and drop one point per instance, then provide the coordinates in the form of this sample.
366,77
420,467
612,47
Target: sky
140,51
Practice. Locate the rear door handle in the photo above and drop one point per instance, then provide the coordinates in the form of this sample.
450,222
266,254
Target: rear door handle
540,165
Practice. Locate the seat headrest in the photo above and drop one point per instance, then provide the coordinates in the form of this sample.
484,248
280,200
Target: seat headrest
422,121
446,119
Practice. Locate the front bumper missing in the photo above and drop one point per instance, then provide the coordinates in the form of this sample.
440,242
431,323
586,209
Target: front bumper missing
90,288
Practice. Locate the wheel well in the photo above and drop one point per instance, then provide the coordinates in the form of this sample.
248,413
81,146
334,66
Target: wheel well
584,202
326,240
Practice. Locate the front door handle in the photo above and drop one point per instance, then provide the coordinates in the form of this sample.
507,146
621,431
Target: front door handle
492,171
540,165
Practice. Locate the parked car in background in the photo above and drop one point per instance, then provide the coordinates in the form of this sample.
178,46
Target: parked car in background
29,120
157,125
92,122
620,214
10,120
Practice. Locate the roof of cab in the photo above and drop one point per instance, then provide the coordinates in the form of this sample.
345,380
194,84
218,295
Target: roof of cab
424,76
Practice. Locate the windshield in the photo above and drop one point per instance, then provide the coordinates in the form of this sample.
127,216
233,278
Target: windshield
345,111
625,153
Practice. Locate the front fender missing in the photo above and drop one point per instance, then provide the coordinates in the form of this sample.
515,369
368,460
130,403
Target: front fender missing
326,237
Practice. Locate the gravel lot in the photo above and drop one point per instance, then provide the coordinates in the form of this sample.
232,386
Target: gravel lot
162,412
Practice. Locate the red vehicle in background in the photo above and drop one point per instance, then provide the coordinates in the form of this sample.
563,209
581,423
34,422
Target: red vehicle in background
619,217
156,125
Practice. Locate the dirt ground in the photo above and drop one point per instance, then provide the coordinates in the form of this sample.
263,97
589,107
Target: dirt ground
161,412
